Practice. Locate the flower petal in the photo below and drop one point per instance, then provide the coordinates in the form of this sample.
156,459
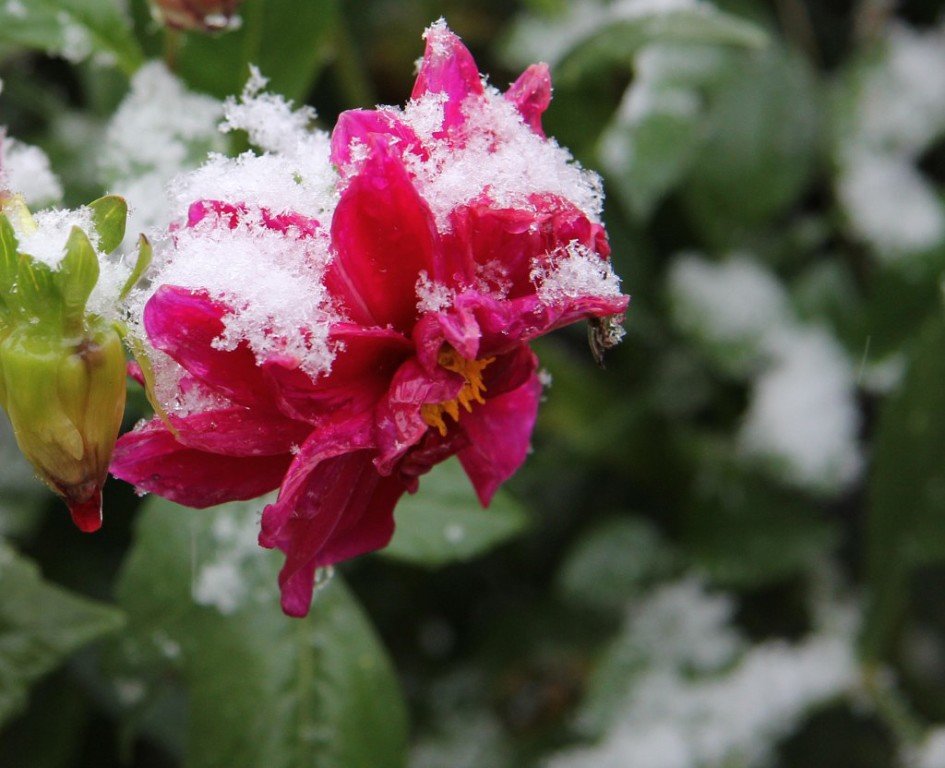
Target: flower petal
349,510
153,460
447,67
239,431
185,324
531,94
499,434
360,374
398,425
361,124
384,235
332,504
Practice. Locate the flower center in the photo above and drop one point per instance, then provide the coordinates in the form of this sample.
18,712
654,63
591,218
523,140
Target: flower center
471,371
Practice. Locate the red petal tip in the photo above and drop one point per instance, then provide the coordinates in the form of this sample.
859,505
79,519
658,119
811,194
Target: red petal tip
87,515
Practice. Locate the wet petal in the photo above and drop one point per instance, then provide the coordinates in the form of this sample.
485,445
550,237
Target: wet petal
384,235
531,94
447,67
499,434
360,374
361,125
398,425
185,324
240,431
151,458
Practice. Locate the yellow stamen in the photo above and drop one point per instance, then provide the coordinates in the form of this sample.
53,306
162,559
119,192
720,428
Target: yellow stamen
471,371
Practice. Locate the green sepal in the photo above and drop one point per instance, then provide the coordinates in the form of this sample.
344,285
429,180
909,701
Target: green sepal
8,258
76,278
38,293
145,256
8,270
109,216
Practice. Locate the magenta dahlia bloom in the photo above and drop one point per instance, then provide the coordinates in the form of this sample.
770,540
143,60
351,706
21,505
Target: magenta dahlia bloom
456,234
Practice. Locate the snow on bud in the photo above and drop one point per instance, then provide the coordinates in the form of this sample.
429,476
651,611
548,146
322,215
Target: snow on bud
197,15
62,369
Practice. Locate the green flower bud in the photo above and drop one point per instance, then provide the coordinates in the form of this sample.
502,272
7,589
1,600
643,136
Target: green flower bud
62,368
65,399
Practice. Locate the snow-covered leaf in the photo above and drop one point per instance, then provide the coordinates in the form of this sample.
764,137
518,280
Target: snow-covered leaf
204,607
73,29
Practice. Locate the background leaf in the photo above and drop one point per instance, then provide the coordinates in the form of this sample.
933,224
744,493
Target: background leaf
73,29
40,626
445,523
212,618
289,42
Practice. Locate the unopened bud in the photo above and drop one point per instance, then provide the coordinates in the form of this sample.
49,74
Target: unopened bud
62,368
200,15
65,399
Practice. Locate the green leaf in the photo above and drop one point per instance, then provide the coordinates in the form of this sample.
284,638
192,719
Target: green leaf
109,215
619,40
289,41
76,277
40,626
73,29
204,606
906,527
745,533
612,562
145,256
444,522
762,132
654,137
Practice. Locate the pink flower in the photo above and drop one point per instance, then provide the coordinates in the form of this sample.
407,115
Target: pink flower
460,234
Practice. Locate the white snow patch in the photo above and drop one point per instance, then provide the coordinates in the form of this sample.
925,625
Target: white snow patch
803,415
497,156
728,711
573,272
47,241
890,204
25,170
158,131
733,302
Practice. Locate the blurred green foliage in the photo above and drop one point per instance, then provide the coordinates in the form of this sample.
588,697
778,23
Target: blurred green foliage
480,637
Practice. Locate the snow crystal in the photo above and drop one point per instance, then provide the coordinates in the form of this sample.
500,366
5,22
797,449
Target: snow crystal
572,273
15,8
899,110
500,158
270,305
75,43
271,280
47,242
803,416
682,625
268,118
901,102
432,296
158,131
25,170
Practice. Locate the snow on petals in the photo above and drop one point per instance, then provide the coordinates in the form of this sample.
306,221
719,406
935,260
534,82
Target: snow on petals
336,336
